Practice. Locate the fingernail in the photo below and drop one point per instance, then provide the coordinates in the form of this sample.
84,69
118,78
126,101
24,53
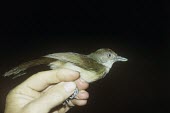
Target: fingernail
69,86
75,73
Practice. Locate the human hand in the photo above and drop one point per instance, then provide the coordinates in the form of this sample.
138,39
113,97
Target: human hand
46,91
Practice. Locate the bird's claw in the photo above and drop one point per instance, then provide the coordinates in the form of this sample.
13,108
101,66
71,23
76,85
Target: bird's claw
76,91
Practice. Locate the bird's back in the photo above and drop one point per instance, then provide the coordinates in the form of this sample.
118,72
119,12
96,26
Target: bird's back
80,60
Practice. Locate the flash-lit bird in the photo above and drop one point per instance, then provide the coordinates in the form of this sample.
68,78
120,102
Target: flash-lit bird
92,67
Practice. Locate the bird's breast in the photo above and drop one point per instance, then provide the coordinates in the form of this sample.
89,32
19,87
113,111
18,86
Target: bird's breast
87,75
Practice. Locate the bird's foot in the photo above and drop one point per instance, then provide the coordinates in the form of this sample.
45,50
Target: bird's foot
76,91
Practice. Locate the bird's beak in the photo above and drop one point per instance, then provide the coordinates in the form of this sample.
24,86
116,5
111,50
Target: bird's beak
119,58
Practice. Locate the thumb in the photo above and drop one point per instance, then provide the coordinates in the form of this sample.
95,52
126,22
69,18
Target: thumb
53,97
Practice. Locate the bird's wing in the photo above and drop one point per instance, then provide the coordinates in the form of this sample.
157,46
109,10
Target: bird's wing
20,70
80,60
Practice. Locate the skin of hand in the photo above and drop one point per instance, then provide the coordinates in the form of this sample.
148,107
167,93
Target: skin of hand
46,91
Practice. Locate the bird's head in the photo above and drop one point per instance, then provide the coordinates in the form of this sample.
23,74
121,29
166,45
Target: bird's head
106,57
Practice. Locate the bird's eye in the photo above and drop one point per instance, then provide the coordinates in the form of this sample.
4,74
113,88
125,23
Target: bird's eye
109,55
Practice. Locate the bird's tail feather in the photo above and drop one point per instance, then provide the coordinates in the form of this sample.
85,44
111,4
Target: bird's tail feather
20,70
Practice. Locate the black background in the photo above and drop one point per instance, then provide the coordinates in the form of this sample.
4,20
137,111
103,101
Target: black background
137,30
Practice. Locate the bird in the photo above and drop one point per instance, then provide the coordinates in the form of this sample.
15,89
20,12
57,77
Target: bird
91,67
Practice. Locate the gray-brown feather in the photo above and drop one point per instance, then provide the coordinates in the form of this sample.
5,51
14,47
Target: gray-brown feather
80,60
19,70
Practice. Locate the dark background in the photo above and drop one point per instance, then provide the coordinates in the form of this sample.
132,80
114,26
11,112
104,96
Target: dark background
137,30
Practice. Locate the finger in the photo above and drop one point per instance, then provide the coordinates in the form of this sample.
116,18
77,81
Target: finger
60,109
82,95
42,80
53,97
64,109
79,102
81,84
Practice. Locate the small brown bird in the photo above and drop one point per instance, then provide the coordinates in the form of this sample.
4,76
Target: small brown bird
92,67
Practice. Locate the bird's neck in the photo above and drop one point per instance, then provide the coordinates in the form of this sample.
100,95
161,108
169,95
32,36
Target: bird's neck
108,64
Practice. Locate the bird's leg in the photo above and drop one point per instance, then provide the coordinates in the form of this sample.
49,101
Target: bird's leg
76,91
